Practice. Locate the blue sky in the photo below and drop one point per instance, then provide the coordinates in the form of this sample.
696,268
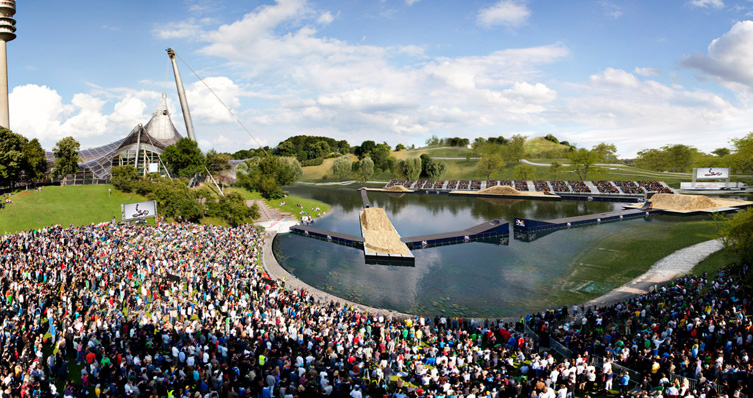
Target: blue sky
638,74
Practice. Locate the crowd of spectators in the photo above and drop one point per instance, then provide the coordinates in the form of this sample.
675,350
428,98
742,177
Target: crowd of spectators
560,186
404,183
183,310
579,187
475,185
654,186
541,186
521,185
491,183
605,186
629,187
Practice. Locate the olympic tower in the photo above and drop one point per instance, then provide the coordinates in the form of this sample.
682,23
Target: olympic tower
7,33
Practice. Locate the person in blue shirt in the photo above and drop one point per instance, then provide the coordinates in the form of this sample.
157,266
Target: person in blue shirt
624,382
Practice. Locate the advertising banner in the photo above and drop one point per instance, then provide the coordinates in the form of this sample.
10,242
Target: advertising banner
138,211
712,173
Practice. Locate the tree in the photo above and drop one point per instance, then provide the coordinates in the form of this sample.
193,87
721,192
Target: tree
365,169
267,175
382,158
174,199
341,168
582,162
400,147
35,161
554,168
737,235
721,152
343,147
742,158
607,152
410,168
12,158
184,158
551,138
218,162
515,149
66,157
436,169
491,159
365,148
680,156
651,159
524,171
232,208
123,177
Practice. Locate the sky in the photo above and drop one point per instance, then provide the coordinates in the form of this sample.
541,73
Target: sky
639,74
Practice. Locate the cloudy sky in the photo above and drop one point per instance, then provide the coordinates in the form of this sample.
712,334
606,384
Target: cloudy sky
638,74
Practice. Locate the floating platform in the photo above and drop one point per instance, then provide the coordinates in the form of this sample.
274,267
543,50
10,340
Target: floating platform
534,228
482,232
329,236
381,240
521,195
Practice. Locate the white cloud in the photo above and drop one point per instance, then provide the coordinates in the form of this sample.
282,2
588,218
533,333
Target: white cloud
204,105
39,112
730,58
647,71
617,77
706,3
411,2
179,30
325,18
508,13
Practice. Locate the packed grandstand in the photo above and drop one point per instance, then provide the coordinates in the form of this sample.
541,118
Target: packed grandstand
578,187
183,310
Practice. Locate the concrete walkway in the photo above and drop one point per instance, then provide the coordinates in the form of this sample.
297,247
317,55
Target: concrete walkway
276,271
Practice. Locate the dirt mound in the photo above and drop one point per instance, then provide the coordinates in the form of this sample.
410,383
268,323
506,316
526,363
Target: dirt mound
398,188
378,233
500,190
665,201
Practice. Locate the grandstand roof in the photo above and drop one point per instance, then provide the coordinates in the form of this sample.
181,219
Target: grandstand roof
158,133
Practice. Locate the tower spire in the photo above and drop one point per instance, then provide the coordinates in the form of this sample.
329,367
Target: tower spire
7,33
181,95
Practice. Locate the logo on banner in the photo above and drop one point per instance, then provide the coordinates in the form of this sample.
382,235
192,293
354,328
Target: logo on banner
712,173
519,223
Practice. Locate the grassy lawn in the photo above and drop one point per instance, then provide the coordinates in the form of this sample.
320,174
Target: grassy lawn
290,203
79,205
630,254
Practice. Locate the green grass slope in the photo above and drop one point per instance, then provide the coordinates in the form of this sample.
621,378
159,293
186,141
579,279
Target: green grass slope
79,205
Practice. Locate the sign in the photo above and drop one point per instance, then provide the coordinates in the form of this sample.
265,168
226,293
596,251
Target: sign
154,167
138,211
519,223
712,173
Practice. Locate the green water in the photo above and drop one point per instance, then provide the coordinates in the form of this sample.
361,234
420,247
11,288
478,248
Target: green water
473,279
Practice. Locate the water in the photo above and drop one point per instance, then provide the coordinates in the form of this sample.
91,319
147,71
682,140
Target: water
473,279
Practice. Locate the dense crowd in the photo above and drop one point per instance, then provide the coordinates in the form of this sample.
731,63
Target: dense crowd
182,310
579,187
605,186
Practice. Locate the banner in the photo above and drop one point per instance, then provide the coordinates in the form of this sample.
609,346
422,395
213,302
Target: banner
138,211
712,173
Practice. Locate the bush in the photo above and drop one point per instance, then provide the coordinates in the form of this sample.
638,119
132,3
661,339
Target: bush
312,162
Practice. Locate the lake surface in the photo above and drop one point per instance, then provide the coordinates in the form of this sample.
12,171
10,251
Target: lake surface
472,279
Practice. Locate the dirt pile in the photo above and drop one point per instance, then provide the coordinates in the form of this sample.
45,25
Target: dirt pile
398,188
378,233
665,201
500,190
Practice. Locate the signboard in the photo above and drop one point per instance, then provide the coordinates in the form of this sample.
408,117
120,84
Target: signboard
712,173
138,211
154,167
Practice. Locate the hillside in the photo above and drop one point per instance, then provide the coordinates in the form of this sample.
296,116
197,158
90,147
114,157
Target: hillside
458,168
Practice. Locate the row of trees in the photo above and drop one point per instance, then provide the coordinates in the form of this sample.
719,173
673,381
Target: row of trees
175,199
24,161
681,158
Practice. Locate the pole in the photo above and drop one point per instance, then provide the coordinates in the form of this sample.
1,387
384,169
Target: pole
182,96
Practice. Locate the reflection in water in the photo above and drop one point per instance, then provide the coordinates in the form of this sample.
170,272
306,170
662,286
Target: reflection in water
472,279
